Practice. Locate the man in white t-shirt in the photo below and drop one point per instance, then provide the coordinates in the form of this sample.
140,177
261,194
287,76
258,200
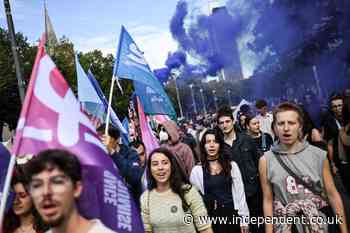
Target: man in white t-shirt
55,184
265,118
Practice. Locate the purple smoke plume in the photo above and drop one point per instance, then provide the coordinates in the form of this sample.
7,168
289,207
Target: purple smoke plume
211,38
175,60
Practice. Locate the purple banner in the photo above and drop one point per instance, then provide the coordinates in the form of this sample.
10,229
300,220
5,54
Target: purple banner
51,118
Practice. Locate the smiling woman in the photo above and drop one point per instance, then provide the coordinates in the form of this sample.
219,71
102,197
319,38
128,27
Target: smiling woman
170,199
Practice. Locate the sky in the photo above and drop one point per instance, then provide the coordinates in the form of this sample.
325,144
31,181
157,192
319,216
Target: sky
94,24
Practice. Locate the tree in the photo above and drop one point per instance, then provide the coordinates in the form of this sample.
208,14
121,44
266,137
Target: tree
63,57
10,101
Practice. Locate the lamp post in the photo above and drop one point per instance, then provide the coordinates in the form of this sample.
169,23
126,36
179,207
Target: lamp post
229,97
193,100
202,96
216,104
11,29
175,74
317,80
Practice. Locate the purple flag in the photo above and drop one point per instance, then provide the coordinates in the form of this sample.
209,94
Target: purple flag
4,163
51,118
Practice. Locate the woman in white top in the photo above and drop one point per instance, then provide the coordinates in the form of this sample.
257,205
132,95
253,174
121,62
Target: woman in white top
220,182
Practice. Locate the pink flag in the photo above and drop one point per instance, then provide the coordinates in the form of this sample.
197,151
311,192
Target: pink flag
148,138
161,118
51,118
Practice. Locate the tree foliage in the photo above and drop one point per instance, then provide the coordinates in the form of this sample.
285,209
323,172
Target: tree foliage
63,57
10,101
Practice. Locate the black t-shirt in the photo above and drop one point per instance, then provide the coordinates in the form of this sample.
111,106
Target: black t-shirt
218,187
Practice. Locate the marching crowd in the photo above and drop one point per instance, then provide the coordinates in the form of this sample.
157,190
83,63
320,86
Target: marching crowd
270,164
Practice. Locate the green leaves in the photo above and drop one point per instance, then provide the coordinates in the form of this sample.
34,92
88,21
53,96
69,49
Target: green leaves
9,100
63,56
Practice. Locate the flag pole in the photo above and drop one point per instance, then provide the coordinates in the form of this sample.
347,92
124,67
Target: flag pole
20,83
109,105
114,78
11,29
6,189
317,80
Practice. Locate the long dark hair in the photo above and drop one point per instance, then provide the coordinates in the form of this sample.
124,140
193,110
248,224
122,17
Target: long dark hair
179,183
11,220
308,125
223,156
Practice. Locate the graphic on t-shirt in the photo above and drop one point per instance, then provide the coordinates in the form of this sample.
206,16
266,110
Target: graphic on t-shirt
293,187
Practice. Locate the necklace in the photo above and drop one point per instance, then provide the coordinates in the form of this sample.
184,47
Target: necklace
28,229
215,169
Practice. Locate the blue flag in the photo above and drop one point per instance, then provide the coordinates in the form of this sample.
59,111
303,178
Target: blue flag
131,64
154,103
114,118
88,97
92,98
125,123
4,163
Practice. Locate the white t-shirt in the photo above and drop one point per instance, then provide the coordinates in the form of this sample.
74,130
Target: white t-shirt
98,227
265,123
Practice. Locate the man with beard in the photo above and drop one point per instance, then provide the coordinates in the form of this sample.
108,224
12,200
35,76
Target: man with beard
55,184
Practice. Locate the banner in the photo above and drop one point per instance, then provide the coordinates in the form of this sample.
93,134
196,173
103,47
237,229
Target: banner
92,98
154,103
148,138
87,96
131,64
51,118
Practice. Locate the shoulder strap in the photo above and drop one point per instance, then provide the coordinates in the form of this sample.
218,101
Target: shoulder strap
148,197
148,208
337,123
310,187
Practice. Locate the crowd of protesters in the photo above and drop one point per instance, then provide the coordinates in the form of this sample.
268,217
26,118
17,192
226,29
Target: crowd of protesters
291,162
